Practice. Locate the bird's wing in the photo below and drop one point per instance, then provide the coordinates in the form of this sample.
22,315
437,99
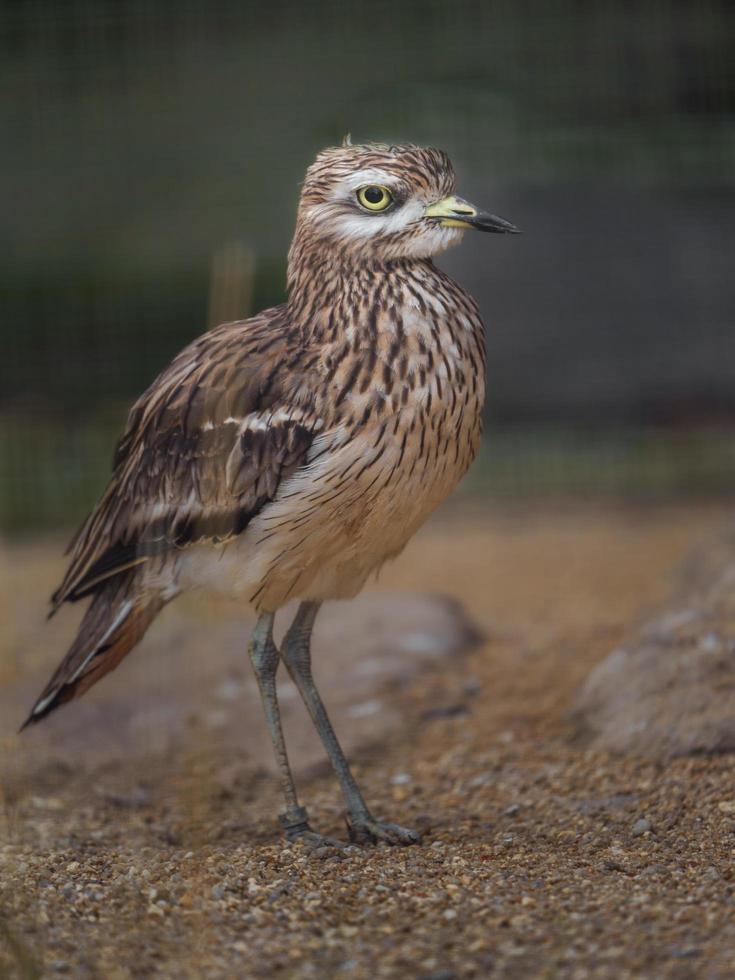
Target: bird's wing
205,448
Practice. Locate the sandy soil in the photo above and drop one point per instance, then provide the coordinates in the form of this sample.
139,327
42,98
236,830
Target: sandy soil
540,858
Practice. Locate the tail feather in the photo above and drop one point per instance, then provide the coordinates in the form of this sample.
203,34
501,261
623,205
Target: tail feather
115,621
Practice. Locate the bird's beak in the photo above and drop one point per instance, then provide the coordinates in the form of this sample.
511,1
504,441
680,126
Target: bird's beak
454,212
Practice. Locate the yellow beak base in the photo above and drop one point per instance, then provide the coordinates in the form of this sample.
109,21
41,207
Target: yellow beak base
455,212
450,211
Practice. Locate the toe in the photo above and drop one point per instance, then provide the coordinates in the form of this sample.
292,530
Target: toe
393,833
313,841
406,835
376,831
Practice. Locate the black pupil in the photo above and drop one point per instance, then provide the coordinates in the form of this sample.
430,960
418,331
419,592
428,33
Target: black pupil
374,195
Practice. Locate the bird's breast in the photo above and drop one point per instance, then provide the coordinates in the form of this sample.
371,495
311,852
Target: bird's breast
421,368
400,395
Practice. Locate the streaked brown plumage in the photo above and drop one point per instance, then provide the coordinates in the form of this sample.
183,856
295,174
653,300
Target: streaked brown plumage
290,455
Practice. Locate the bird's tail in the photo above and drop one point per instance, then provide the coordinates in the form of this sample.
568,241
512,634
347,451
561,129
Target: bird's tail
115,621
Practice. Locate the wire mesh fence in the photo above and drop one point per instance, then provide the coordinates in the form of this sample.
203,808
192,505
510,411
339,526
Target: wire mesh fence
150,170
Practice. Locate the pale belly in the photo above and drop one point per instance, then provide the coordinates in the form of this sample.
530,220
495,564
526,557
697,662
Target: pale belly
339,519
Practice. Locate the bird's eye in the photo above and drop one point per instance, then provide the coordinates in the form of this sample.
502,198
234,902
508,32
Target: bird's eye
375,197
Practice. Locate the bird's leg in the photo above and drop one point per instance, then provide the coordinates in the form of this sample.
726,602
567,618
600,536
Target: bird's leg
296,654
265,659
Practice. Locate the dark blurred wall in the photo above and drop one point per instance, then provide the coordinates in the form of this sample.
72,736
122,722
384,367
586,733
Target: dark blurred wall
141,138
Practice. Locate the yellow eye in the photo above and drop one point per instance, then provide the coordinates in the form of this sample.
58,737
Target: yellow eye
375,197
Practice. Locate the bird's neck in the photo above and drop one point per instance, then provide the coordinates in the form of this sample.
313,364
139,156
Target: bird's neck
322,280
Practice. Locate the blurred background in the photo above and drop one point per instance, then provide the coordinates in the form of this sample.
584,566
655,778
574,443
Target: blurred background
151,160
151,153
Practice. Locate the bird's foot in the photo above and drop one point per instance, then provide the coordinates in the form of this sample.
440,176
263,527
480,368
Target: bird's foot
295,823
367,830
313,841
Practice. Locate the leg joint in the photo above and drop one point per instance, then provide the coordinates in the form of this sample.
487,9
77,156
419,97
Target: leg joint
295,821
263,651
296,655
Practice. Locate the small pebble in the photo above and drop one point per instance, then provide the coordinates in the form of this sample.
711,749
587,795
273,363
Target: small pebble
685,952
641,827
323,853
710,643
400,779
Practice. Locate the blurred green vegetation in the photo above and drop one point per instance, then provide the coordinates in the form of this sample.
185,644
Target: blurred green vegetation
83,341
140,138
630,464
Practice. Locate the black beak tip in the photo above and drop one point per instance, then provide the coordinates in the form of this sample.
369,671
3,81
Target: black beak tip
484,221
500,226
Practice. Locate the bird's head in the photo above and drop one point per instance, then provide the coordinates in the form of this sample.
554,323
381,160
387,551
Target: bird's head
381,203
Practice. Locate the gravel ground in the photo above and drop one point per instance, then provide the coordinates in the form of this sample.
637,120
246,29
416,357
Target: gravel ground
541,858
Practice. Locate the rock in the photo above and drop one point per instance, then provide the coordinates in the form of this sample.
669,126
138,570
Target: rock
199,670
641,827
670,689
444,711
685,952
400,779
137,798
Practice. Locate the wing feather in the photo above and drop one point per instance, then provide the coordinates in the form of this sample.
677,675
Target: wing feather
204,449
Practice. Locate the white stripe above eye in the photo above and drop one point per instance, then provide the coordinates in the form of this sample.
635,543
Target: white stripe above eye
370,175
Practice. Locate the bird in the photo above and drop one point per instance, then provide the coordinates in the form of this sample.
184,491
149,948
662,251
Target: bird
288,456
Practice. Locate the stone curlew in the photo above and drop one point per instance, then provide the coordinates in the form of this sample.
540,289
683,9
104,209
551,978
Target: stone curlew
288,456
